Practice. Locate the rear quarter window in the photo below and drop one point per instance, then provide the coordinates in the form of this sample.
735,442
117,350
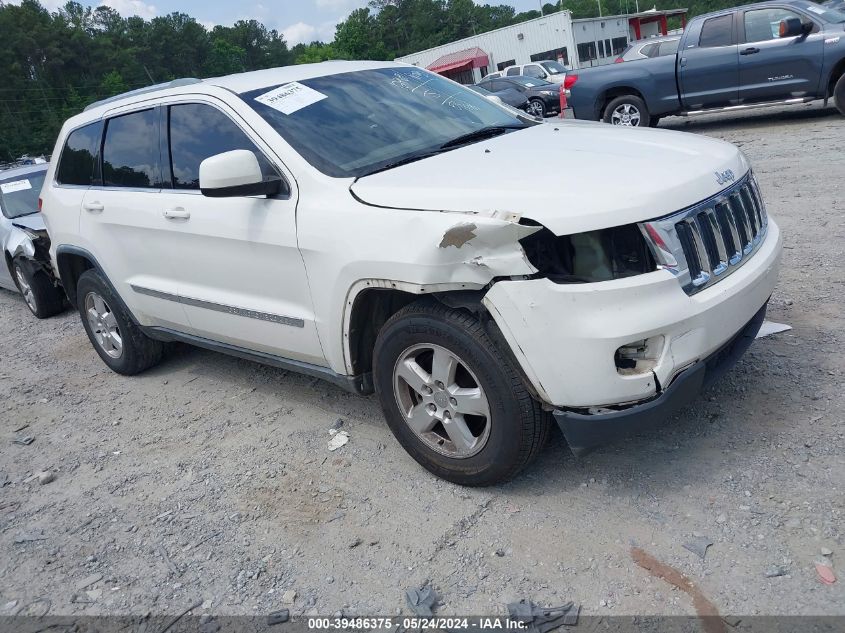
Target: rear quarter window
78,162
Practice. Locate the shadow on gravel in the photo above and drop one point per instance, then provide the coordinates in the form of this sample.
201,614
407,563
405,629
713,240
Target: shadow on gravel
764,117
662,461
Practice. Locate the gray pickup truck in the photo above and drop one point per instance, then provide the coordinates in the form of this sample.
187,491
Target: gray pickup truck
761,54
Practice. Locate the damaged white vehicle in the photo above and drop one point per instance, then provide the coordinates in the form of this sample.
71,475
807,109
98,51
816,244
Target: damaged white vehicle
381,227
26,246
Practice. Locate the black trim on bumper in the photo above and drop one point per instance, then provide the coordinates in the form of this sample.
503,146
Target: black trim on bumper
585,432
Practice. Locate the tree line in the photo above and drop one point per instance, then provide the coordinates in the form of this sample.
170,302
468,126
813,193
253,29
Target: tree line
52,64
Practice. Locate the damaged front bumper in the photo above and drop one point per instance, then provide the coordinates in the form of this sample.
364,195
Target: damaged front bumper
617,348
585,432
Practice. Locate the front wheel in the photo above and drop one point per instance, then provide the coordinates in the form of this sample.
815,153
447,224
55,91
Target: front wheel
536,107
453,399
839,94
42,298
628,111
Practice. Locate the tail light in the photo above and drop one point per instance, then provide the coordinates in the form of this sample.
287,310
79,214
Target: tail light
618,60
569,81
40,203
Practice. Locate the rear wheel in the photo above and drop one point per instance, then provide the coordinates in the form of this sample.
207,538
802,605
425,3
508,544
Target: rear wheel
116,339
839,94
627,111
454,401
42,298
536,107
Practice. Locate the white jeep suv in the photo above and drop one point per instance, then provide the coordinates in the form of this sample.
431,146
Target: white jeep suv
379,226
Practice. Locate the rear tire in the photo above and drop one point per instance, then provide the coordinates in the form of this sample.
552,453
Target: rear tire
40,295
839,94
627,111
491,431
116,339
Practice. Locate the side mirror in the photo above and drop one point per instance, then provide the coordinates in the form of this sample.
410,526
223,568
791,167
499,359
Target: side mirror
793,27
235,174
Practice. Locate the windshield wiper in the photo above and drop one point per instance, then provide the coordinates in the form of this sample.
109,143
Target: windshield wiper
477,135
402,161
480,134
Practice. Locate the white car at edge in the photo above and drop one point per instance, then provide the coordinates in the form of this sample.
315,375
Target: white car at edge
380,227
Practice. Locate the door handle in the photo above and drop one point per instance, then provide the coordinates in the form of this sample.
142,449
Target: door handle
177,214
749,51
93,207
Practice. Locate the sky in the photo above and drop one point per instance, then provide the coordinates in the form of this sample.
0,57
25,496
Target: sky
299,20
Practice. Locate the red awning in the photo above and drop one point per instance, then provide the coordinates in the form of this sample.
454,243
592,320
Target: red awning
472,58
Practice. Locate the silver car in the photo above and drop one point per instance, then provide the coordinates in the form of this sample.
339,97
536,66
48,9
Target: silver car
26,267
652,47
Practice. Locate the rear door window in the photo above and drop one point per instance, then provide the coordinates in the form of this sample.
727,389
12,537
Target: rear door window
198,131
717,31
512,72
78,163
131,156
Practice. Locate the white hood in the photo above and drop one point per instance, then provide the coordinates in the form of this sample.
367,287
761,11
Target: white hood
570,176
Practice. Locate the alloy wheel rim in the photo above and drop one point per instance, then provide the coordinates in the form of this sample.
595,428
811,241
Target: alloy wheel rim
26,290
535,108
103,325
626,114
442,401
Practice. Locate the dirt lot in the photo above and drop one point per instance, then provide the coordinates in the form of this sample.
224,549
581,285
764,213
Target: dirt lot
208,478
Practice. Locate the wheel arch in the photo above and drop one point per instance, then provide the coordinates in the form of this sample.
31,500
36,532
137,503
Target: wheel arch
617,91
72,262
836,72
371,303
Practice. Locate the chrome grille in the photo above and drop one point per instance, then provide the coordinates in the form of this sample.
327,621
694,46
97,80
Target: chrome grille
707,242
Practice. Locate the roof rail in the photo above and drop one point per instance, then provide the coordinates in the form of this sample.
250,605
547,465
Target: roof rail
187,81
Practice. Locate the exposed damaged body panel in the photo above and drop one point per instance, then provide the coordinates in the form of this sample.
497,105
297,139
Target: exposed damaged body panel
26,238
554,327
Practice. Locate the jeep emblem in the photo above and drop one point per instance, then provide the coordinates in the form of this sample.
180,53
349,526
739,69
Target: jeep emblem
725,176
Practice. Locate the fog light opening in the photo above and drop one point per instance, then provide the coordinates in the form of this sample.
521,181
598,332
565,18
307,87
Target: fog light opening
638,357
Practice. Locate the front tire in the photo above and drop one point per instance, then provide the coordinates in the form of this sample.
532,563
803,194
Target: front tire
627,111
839,94
116,339
40,295
453,399
537,108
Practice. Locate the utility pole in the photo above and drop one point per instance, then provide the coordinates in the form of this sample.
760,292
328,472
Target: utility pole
599,3
541,8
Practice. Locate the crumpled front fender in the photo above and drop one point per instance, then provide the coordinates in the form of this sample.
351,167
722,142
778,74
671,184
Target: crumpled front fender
20,243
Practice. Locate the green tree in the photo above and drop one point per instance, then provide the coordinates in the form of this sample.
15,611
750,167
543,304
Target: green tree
224,59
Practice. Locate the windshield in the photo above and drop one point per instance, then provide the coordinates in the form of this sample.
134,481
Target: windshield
352,124
553,67
834,16
19,195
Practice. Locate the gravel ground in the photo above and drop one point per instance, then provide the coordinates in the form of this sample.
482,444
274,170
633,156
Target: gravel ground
208,478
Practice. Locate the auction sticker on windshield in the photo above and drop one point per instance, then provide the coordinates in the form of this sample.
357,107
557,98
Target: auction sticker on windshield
15,185
291,97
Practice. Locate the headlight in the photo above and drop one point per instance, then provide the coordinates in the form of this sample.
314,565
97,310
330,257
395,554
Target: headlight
589,257
548,93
